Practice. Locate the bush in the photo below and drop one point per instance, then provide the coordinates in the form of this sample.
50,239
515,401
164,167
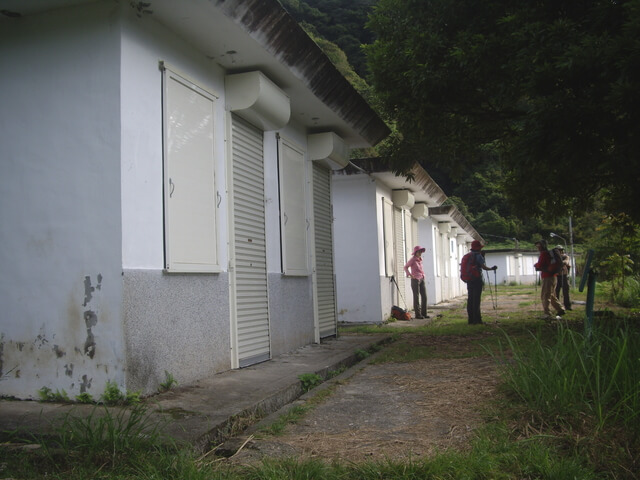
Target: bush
629,296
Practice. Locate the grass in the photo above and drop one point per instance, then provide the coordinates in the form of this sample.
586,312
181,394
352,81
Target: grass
568,408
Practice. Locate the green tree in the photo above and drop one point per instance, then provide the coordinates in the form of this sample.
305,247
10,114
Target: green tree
551,89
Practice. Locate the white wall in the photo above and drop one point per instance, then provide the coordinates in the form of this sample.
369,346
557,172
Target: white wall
61,284
513,267
144,45
357,251
177,323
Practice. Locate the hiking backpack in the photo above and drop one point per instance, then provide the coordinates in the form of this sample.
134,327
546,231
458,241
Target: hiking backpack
468,268
400,313
555,266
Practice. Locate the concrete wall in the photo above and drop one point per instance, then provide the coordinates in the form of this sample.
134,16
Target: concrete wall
202,345
290,297
357,249
178,323
61,236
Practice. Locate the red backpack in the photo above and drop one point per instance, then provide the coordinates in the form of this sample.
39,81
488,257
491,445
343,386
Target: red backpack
468,268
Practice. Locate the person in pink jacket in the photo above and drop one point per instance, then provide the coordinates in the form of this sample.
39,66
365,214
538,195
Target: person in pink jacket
414,271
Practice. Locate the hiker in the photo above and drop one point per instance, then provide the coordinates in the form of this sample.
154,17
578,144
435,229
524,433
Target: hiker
563,279
475,283
414,271
547,291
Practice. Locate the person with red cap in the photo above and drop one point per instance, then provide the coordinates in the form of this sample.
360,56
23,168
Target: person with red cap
476,284
415,272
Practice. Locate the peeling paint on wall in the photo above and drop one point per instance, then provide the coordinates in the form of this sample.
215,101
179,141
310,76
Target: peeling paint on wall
59,351
86,384
90,316
91,320
88,289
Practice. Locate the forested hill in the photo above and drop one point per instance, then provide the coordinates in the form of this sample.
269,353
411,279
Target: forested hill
479,195
339,21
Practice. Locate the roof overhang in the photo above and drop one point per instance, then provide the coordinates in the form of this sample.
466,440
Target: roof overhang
424,188
248,35
450,214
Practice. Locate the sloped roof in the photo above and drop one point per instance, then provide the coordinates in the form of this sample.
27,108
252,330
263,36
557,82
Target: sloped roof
423,187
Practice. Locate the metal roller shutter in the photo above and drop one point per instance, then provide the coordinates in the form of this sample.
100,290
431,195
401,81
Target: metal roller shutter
325,281
399,254
252,307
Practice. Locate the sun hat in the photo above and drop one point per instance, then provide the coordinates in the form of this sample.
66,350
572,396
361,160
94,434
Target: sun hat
417,249
476,245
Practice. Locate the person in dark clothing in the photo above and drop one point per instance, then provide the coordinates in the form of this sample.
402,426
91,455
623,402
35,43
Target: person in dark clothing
563,279
476,284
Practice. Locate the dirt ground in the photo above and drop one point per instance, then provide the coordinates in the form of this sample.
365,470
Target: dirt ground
395,410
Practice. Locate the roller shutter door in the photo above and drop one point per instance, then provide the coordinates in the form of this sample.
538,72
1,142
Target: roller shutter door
398,230
325,281
250,272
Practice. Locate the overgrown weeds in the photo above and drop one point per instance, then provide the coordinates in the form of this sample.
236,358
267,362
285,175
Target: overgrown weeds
107,439
578,374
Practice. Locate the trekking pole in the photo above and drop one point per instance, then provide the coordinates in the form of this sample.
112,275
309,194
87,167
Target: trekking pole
493,301
536,293
495,284
393,279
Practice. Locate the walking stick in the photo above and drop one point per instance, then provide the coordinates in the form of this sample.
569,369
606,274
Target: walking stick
495,285
393,279
494,301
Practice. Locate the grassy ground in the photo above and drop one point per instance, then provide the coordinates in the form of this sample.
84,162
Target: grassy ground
568,408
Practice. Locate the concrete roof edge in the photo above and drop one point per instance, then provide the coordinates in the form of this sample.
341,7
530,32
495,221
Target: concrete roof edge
428,184
455,215
283,37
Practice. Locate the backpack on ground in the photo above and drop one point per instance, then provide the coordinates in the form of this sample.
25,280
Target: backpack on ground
400,313
555,266
468,268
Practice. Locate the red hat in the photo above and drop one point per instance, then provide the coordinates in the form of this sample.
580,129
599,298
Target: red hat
476,245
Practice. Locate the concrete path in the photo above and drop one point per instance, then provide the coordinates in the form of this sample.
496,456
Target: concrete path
208,412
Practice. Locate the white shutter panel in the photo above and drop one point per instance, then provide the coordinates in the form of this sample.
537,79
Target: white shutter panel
293,210
399,252
190,191
387,225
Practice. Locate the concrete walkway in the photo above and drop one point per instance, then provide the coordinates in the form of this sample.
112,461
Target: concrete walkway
208,412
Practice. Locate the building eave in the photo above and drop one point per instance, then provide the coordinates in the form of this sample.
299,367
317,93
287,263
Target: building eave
450,214
422,186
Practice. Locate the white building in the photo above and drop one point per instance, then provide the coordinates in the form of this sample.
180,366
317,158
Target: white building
164,189
514,266
379,218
